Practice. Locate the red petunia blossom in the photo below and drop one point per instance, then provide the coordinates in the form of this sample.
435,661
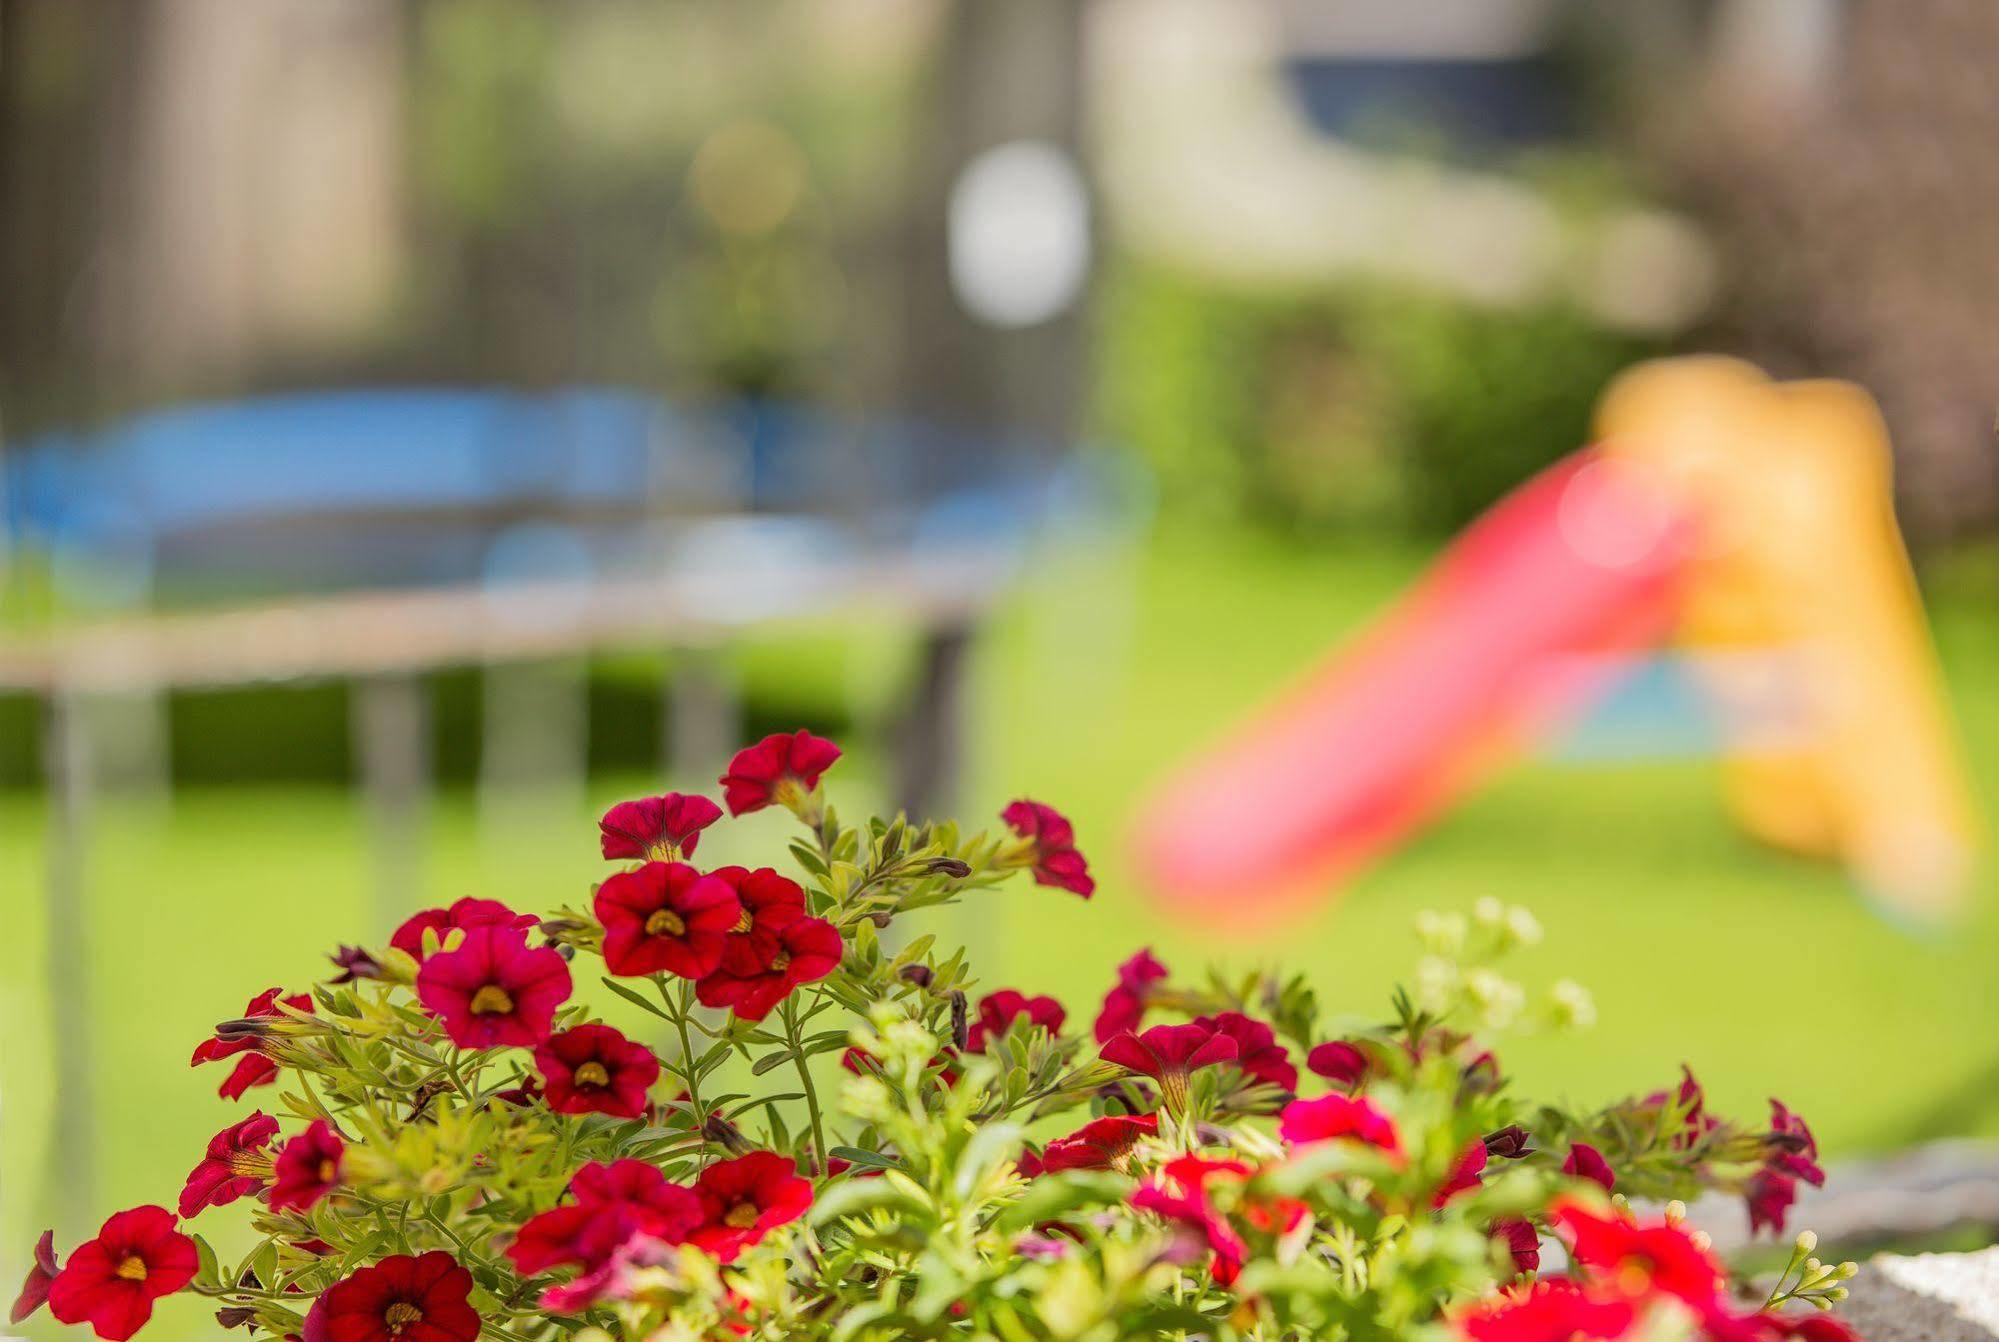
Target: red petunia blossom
1051,841
781,768
998,1011
492,991
1339,1062
1691,1100
112,1281
1769,1195
1257,1051
41,1272
1793,1149
1125,1004
1338,1116
1179,1193
466,913
744,1199
804,950
769,901
657,829
666,916
1553,1309
1465,1175
613,1202
1522,1241
307,1168
403,1298
1639,1258
612,1280
1808,1327
1586,1162
1169,1050
254,1069
593,1069
1101,1144
236,1164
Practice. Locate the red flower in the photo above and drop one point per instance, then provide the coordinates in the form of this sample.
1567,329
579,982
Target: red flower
255,1069
594,1069
493,991
1691,1100
1809,1327
1125,1004
659,829
1051,842
744,1199
35,1289
1521,1240
999,1010
466,913
666,916
1180,1194
1635,1258
1338,1116
1465,1175
769,901
1257,1051
235,1165
801,951
782,768
1793,1149
1553,1309
1101,1144
307,1168
1167,1051
1339,1062
1769,1196
1586,1162
613,1202
112,1281
400,1299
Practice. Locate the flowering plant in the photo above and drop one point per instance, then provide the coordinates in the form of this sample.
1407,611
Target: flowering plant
460,1146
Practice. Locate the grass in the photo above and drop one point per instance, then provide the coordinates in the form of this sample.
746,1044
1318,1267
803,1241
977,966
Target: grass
1767,974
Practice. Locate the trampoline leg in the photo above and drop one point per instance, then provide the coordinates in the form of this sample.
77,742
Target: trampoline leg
391,727
704,717
70,1190
930,749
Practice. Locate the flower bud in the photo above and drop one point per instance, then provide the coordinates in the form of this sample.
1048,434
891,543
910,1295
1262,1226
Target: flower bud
1676,1212
235,1316
1522,927
1488,912
919,975
1807,1241
353,963
1509,1143
960,1026
955,868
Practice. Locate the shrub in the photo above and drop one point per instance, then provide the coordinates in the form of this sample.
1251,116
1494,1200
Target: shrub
466,1149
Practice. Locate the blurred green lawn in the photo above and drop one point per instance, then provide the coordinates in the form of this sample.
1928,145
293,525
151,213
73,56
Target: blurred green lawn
1768,975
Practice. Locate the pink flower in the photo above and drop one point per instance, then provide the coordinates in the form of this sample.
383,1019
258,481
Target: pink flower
1258,1053
998,1011
466,913
1101,1144
1169,1050
1125,1004
1339,1062
665,917
1465,1175
744,1199
492,991
593,1069
254,1069
1332,1117
1052,846
802,951
783,768
660,829
235,1164
307,1168
1586,1162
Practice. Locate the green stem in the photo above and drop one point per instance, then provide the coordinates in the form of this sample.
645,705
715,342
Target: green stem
688,1069
805,1079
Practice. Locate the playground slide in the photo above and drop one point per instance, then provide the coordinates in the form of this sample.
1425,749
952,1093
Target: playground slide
1799,551
1583,559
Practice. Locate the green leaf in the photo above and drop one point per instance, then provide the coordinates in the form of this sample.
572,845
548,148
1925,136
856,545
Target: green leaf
873,1160
634,998
850,1197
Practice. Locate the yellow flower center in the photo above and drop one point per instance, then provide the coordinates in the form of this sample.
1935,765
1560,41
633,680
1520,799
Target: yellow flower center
665,923
399,1316
592,1074
131,1268
742,1216
743,923
492,1000
781,961
329,1170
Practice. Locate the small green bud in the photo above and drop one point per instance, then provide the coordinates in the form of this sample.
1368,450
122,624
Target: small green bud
1807,1241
